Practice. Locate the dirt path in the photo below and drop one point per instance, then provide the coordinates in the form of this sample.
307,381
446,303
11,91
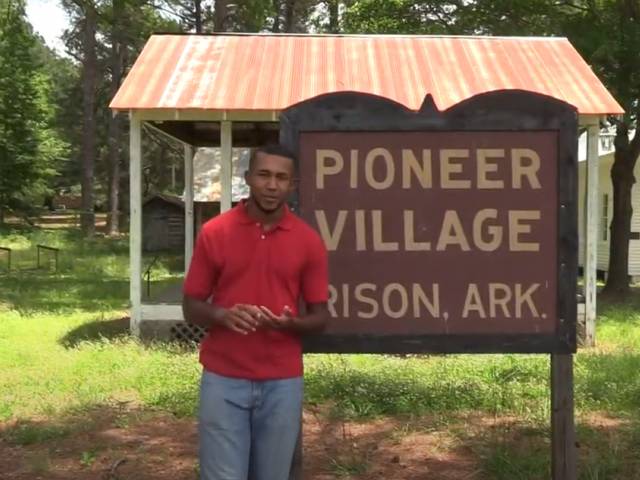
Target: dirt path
157,446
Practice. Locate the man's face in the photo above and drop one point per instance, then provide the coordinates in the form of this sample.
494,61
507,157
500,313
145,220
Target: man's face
270,181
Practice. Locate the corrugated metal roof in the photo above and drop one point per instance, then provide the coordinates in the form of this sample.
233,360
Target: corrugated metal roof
273,72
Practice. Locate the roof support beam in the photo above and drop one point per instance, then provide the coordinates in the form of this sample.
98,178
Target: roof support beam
585,120
201,115
226,165
167,136
135,223
188,206
591,232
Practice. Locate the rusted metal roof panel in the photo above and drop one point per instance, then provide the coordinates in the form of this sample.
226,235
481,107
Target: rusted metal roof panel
273,72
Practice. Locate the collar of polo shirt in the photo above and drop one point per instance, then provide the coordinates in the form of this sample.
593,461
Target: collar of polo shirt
285,223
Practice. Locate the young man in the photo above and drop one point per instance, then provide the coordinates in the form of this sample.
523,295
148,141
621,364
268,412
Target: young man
250,268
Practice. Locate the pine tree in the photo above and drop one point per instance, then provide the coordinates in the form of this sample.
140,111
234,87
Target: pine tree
28,149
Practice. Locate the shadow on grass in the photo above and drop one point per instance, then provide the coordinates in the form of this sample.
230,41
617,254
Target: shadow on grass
464,445
108,440
74,420
35,293
603,381
609,381
96,330
118,328
384,387
613,305
68,239
511,450
85,443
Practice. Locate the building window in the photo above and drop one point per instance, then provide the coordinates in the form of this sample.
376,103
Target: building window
605,217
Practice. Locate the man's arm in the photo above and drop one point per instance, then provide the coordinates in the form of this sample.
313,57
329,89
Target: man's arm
314,321
243,319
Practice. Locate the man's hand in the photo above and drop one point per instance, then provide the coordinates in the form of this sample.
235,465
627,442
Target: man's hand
245,319
286,320
241,318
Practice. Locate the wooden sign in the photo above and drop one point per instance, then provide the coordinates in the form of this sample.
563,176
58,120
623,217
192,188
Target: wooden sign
447,231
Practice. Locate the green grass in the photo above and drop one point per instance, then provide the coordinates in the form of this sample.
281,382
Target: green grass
603,454
367,385
28,433
348,466
504,463
63,336
44,374
65,350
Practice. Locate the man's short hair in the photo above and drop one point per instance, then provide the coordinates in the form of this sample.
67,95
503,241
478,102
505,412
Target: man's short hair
273,149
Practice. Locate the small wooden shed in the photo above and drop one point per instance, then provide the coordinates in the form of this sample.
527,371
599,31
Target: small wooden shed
163,223
227,90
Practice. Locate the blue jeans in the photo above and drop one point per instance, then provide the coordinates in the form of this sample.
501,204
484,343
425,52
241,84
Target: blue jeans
248,429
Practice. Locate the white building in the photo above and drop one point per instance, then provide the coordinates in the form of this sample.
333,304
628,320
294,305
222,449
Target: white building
605,205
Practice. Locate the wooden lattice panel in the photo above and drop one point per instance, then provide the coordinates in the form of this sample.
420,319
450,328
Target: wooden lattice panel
187,333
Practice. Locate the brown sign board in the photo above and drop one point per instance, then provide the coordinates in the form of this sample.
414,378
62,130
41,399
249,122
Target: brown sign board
447,231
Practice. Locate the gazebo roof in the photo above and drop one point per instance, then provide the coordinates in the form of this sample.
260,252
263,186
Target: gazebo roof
268,73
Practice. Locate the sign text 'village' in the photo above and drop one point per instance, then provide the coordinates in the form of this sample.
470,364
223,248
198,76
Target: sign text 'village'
430,232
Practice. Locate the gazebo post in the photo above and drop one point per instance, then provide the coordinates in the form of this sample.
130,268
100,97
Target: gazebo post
591,231
135,223
189,231
226,165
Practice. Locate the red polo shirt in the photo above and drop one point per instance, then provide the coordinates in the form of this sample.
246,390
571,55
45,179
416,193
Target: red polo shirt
236,261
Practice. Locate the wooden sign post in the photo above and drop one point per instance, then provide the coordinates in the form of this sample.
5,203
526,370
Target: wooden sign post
448,232
563,436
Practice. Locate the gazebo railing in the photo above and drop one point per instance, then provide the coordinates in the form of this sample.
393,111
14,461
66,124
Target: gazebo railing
49,249
147,274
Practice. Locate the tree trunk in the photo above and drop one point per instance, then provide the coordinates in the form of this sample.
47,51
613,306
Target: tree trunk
89,65
289,16
334,16
220,13
623,179
276,18
198,12
115,122
113,218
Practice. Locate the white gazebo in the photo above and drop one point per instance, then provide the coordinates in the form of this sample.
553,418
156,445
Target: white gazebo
228,90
